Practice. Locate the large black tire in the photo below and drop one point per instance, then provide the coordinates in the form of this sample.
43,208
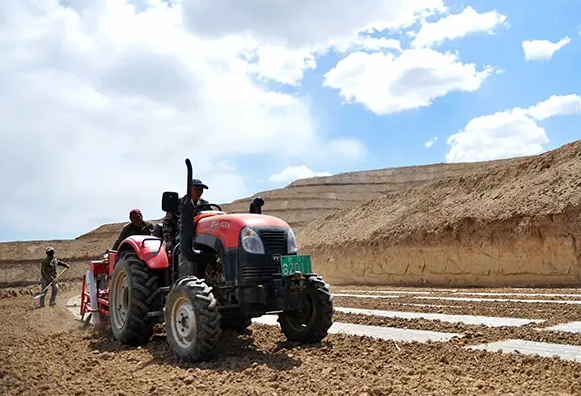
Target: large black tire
311,323
192,320
133,293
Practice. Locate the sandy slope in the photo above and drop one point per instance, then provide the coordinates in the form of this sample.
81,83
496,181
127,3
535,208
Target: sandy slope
513,224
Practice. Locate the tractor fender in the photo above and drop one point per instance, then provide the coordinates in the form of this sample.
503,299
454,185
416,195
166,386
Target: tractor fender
147,249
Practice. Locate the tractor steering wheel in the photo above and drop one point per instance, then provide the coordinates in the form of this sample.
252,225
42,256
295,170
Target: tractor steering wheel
208,204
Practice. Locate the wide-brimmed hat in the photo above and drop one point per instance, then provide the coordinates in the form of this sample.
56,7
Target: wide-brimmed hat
198,182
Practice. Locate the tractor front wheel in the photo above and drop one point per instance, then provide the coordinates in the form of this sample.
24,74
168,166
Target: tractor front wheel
311,323
192,320
132,295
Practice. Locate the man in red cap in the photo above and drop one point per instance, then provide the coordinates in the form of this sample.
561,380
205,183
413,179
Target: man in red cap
138,226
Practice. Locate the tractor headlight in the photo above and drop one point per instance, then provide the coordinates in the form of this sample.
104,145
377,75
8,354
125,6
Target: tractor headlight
251,242
291,242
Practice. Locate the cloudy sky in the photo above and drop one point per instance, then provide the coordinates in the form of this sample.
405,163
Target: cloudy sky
102,100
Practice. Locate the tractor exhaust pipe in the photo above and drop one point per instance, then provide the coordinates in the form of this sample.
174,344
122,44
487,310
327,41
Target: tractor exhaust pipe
187,222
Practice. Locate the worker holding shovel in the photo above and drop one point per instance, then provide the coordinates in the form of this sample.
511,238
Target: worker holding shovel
49,276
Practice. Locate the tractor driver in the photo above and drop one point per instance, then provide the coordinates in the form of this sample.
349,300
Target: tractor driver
170,221
138,226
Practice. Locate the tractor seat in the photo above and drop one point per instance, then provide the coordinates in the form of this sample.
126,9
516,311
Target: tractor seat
158,230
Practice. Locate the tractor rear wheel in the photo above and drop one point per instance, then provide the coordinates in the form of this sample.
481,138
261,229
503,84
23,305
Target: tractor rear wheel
192,320
311,323
132,295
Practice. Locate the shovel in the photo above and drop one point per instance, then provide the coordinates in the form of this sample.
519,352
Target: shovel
43,292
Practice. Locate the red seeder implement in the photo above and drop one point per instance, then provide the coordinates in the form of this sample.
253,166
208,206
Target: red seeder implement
95,291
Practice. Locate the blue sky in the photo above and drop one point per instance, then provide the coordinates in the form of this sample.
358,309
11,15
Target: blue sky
106,101
399,139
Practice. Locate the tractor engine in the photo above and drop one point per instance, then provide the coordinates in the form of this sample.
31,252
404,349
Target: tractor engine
215,272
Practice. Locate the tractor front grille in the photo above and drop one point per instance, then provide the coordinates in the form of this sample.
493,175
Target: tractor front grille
274,241
255,272
267,268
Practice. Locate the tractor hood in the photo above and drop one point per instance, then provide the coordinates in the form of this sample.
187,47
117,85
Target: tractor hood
227,227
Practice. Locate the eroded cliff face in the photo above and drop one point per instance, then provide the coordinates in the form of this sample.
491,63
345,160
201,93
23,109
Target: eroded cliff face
513,225
530,251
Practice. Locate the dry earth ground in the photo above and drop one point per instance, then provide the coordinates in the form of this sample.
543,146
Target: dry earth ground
46,351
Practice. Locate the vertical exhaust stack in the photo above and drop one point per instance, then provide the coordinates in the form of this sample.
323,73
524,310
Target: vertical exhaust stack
187,222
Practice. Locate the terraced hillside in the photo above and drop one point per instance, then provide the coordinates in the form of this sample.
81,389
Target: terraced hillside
299,203
306,200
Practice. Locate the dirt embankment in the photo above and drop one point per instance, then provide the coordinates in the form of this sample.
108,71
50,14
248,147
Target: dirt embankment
299,204
307,200
510,224
20,261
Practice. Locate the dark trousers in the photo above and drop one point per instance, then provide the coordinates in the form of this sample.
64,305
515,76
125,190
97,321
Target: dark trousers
54,291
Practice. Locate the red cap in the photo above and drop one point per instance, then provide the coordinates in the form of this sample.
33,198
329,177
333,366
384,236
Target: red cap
135,211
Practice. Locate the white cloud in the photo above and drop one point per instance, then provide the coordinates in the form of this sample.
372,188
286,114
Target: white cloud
556,105
457,26
281,64
303,24
366,43
100,104
284,36
101,101
387,84
292,173
542,50
500,135
431,142
509,133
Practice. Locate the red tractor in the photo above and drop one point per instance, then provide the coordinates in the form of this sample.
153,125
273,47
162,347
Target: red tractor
225,269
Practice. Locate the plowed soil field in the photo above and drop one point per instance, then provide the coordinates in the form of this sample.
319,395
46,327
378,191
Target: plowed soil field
48,352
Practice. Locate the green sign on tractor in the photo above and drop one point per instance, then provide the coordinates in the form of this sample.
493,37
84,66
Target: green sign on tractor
289,265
